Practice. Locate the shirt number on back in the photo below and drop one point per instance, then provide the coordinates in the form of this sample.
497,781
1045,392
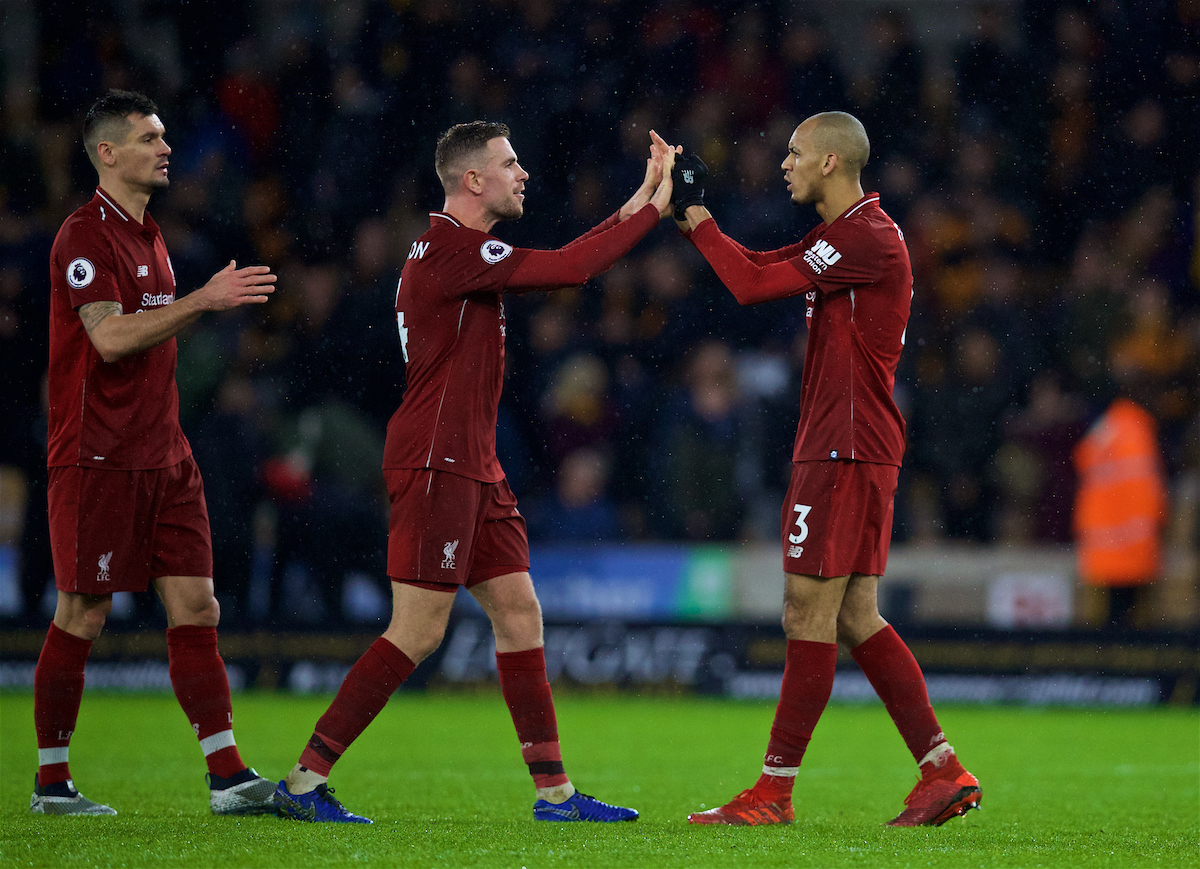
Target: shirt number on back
400,314
802,511
403,334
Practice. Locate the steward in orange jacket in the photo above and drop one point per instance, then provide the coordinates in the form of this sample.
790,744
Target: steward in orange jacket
1121,501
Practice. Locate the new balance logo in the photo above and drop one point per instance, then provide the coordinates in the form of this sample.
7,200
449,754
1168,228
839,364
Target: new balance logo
448,551
143,271
821,256
103,563
795,551
689,176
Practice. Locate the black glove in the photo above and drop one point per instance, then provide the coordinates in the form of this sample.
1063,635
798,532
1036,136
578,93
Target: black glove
687,178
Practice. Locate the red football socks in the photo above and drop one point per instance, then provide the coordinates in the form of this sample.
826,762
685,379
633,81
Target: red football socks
57,691
527,692
364,692
807,684
202,688
893,672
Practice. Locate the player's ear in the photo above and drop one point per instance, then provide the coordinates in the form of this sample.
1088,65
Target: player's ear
106,153
831,163
472,181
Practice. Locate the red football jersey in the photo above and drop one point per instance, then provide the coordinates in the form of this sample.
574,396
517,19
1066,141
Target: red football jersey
122,414
857,281
451,323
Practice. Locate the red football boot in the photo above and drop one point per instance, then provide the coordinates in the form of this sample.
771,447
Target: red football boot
747,809
938,797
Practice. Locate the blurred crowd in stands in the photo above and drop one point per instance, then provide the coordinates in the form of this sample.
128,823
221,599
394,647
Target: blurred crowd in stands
1042,158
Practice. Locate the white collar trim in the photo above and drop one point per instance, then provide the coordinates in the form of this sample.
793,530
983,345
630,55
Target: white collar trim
867,201
118,208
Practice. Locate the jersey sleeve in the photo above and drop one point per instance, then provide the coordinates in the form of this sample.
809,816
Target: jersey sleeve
604,225
478,263
844,257
751,277
86,265
767,257
582,259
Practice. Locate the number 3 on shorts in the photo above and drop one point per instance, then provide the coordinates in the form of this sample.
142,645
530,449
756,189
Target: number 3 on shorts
801,511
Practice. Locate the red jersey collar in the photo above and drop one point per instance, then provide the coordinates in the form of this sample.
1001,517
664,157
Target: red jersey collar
868,199
148,229
434,216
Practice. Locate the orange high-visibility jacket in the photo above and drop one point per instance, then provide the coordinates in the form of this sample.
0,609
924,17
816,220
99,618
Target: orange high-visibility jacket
1121,501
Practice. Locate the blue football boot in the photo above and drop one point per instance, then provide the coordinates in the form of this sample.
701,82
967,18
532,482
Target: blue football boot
317,805
581,807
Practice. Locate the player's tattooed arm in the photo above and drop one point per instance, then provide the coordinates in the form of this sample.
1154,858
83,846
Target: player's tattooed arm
118,336
93,312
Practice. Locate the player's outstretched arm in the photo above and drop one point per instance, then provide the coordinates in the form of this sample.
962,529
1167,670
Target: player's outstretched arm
689,176
750,276
116,334
596,250
748,280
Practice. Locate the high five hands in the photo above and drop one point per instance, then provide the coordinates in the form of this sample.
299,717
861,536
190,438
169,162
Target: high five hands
662,162
657,185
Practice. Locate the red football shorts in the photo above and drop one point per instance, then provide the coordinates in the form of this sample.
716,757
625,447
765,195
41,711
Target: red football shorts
445,530
837,518
117,530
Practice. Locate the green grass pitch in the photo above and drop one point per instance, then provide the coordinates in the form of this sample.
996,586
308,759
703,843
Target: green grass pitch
443,779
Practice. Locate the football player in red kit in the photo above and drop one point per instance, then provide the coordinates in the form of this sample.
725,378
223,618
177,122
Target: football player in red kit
126,500
854,274
454,521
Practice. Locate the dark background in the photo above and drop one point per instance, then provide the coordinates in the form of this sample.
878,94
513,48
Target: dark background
1041,158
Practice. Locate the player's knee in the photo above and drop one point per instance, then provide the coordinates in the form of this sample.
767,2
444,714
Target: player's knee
808,621
418,642
529,612
89,623
204,612
846,633
795,619
855,626
83,616
518,620
517,636
424,645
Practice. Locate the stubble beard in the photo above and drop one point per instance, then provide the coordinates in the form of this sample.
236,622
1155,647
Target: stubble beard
801,197
153,183
512,210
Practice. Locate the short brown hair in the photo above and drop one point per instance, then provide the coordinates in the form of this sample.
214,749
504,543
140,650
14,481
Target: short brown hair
460,142
108,118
